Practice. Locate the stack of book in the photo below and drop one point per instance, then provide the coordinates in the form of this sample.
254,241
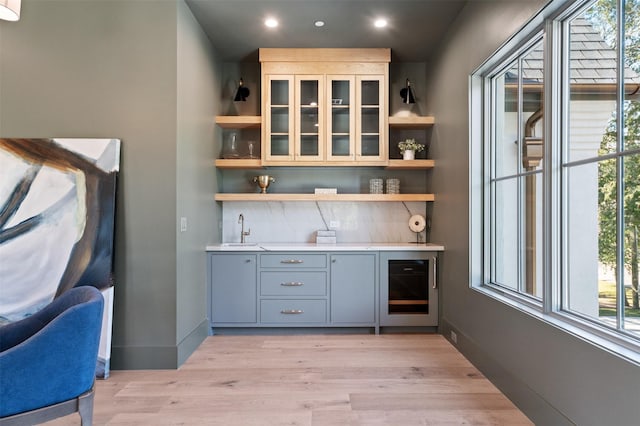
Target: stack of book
325,237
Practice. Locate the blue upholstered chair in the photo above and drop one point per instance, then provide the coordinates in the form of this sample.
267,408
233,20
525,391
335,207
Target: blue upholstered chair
48,360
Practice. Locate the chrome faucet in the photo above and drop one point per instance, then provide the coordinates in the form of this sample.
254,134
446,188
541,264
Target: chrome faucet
242,232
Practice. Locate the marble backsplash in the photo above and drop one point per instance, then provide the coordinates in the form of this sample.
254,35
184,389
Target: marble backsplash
297,222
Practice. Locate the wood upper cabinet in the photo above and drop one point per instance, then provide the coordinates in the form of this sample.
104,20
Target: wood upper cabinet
371,119
341,117
356,126
325,106
309,118
278,118
294,119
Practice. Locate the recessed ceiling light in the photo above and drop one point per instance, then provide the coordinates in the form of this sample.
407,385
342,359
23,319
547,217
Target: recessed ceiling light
380,23
319,23
271,22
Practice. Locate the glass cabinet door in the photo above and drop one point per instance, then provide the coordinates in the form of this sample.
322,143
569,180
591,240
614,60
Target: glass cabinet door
341,118
279,128
318,118
371,134
309,141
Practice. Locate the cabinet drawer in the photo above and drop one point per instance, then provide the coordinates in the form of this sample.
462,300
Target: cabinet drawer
293,311
293,283
293,260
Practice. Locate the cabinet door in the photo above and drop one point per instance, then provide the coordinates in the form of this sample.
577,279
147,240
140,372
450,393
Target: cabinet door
309,118
278,140
353,288
341,117
370,119
233,288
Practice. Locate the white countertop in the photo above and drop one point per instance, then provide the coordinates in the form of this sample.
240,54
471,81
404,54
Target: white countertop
325,247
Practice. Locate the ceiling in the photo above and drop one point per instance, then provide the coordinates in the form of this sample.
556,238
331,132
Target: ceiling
415,27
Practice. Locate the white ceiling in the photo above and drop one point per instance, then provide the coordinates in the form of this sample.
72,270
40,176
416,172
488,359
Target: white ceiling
415,28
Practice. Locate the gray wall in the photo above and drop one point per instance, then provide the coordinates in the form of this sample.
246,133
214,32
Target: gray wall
127,70
108,69
553,376
198,95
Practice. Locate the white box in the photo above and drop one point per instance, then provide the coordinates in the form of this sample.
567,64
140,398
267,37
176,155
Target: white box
326,190
325,240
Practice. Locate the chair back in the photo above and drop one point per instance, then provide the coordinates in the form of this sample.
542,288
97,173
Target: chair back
51,356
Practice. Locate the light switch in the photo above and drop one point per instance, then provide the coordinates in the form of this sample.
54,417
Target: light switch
183,224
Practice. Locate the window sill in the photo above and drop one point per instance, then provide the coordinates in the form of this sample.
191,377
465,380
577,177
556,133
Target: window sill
598,336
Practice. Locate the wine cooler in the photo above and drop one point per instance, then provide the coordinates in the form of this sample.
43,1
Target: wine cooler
408,289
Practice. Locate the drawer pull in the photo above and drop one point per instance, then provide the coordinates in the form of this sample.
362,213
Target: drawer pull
292,311
290,261
292,284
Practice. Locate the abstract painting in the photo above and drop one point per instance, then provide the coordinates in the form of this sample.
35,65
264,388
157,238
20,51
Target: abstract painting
57,212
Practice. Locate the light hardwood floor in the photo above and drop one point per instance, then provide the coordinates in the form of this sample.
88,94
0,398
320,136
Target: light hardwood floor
399,380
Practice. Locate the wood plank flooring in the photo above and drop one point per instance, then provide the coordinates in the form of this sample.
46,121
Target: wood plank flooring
319,380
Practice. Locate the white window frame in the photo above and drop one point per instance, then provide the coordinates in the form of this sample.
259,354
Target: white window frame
551,22
498,70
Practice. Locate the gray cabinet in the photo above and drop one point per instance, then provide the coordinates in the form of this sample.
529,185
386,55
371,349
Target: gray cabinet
353,289
293,289
233,288
320,289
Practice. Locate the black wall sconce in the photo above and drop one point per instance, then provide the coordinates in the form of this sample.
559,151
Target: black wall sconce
242,93
407,94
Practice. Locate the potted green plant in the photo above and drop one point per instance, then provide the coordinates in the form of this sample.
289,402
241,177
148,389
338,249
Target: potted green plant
409,147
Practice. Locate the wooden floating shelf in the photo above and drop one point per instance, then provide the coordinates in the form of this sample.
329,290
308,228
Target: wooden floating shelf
411,122
410,164
239,121
240,163
256,163
324,197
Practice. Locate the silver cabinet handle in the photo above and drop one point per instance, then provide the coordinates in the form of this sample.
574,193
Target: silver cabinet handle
292,284
435,272
291,261
292,311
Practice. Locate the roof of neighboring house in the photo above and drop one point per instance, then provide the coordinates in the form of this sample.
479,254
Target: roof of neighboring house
593,61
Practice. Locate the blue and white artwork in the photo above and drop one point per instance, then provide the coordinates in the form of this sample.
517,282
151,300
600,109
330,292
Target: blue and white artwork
57,211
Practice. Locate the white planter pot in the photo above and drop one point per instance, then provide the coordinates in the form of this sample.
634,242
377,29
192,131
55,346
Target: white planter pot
409,155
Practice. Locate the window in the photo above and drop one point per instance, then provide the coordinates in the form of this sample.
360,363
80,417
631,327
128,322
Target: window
600,166
559,118
516,173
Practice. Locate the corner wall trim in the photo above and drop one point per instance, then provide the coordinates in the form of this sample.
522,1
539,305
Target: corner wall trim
190,343
539,410
143,357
